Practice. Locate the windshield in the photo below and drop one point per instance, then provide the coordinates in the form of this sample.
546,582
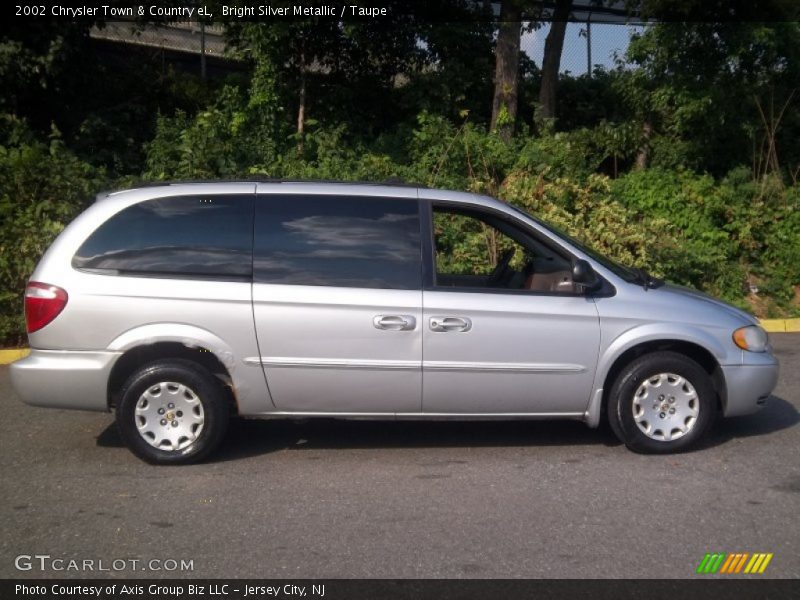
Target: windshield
627,273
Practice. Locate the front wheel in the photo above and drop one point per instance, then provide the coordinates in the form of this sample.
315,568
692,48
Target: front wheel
662,402
172,412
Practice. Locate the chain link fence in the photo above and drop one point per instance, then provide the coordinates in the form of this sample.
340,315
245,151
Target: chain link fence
586,45
183,36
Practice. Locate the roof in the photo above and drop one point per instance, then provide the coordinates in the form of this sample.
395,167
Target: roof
392,188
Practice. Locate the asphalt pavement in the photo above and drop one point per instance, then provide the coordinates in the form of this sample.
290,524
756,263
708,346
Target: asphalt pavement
320,499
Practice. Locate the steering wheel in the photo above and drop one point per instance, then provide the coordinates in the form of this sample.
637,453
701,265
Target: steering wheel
502,268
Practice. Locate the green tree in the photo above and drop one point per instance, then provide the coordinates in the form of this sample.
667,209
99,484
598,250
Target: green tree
323,70
717,94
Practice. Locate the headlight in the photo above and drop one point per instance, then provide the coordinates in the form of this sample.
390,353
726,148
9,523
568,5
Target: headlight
751,338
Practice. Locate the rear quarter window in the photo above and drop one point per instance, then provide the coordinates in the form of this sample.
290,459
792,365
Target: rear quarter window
189,236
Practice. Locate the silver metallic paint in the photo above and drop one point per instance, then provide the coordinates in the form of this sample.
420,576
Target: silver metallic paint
551,340
64,379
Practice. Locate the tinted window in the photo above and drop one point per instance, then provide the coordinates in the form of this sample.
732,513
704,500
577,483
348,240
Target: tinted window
338,241
202,236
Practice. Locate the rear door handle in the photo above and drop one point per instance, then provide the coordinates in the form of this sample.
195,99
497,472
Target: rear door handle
394,322
450,324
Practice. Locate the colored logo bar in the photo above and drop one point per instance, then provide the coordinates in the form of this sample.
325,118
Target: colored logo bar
739,562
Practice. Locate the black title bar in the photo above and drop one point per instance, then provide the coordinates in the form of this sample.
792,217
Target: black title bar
220,11
397,589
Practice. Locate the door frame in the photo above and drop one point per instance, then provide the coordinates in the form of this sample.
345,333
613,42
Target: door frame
428,239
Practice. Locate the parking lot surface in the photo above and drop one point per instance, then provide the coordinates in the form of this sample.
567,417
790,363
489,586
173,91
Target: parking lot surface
324,499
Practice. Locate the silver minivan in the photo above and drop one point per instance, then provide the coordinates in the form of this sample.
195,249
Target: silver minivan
180,305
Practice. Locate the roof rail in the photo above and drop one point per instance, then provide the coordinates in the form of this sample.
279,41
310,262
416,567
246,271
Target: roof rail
392,181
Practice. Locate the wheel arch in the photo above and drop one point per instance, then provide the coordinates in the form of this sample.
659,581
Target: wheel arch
691,349
154,342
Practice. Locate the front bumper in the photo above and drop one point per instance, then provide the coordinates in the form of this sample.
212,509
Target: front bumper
64,378
748,387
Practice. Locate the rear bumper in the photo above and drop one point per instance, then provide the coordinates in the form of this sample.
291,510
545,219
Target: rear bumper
64,379
748,387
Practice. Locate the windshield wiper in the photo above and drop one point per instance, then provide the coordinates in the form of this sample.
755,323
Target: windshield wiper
645,279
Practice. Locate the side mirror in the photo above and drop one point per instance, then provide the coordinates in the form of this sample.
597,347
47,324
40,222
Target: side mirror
584,275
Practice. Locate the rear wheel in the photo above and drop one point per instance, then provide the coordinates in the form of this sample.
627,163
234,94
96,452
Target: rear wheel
172,412
662,402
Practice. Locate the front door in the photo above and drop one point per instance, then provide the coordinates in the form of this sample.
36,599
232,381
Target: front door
505,330
337,302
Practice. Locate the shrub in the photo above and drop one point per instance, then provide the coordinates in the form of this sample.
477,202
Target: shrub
732,234
696,249
589,212
42,187
225,140
465,157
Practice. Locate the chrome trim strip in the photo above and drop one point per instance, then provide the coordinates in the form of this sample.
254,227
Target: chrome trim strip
333,363
493,367
439,366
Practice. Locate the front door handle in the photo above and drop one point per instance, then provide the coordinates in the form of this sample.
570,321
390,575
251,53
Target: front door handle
394,322
450,324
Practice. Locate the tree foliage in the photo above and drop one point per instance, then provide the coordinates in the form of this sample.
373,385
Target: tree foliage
705,85
42,187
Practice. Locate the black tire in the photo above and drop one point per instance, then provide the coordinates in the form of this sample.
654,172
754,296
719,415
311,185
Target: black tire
210,420
622,404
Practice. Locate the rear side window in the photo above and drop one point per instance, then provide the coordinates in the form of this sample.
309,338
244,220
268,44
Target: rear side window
190,236
338,241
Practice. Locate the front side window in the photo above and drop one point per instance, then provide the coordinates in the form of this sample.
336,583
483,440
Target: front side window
190,236
478,251
340,241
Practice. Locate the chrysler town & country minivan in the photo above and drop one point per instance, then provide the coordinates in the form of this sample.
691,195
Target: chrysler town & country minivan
180,305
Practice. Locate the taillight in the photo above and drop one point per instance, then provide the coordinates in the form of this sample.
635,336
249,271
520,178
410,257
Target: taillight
43,302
